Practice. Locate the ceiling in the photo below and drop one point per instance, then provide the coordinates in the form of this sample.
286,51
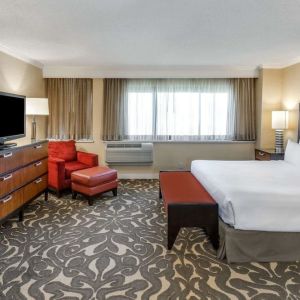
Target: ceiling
143,37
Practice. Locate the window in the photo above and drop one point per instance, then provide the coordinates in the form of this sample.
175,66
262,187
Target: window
140,114
179,109
177,115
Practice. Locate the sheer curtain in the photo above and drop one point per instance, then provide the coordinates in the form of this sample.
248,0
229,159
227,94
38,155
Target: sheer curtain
178,109
115,94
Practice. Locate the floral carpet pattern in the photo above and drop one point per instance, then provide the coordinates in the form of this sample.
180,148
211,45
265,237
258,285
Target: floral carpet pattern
116,249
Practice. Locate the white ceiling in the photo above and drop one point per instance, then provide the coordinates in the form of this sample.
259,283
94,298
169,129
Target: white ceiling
158,37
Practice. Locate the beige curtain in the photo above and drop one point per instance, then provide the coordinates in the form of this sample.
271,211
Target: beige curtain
241,107
243,97
70,108
115,93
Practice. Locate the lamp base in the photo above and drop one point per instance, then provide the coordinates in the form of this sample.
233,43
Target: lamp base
279,141
33,130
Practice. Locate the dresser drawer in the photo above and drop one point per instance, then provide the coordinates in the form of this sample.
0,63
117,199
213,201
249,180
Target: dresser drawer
35,170
35,152
34,188
10,160
11,181
10,203
261,155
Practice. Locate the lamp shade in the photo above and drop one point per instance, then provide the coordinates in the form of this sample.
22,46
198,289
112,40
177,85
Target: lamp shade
280,119
37,106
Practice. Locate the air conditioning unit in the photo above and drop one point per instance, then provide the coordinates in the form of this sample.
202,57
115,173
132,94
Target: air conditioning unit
118,153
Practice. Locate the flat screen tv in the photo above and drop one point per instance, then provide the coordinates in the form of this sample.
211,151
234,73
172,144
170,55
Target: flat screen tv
12,117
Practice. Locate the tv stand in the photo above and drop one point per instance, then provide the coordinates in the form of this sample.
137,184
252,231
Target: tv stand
7,145
23,177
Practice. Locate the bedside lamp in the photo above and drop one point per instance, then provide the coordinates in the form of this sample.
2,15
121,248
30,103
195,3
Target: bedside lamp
279,123
36,107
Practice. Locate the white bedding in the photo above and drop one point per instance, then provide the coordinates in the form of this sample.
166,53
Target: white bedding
253,195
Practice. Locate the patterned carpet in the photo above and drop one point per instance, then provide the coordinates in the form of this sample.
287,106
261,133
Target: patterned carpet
115,249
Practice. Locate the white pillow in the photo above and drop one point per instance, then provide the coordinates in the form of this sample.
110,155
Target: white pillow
292,153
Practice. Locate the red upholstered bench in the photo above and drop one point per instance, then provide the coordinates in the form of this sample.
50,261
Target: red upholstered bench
187,204
94,181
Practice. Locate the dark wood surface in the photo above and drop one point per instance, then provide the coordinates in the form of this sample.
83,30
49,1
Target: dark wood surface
11,202
268,154
193,215
10,159
12,180
35,187
23,177
203,215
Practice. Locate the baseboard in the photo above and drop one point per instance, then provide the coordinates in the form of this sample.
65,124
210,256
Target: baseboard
138,176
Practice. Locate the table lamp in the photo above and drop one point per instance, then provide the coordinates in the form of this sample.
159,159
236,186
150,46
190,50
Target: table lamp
36,107
279,123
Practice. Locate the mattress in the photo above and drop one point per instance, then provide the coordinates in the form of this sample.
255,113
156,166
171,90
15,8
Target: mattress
253,195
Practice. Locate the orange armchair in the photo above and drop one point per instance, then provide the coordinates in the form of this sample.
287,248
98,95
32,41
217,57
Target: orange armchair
63,160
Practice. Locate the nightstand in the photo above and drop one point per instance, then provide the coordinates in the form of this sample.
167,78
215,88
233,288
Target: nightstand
268,154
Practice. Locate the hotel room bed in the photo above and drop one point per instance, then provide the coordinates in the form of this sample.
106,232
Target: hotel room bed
259,208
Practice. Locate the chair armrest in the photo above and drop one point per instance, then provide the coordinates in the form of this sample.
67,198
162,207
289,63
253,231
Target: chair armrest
88,159
55,160
56,172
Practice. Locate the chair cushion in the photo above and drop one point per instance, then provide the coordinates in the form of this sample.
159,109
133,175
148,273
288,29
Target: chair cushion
72,166
65,150
94,190
94,176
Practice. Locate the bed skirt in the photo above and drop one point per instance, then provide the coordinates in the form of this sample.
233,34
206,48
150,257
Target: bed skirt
257,246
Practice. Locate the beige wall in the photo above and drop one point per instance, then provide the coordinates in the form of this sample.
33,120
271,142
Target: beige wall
21,78
277,89
291,97
166,155
269,95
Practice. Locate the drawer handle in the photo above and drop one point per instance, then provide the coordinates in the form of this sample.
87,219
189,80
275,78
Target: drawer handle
38,181
9,176
38,164
38,146
8,154
6,199
261,153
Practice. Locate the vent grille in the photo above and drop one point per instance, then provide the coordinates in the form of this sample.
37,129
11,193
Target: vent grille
124,145
129,153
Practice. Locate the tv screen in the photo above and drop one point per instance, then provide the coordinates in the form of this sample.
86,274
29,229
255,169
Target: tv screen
12,116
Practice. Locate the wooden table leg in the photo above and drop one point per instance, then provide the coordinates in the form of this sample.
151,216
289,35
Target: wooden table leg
46,194
90,200
173,229
21,215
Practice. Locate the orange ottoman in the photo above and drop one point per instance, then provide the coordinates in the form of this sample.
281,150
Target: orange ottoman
94,181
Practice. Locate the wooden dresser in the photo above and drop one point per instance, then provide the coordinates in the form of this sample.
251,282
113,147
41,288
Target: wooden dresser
23,177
